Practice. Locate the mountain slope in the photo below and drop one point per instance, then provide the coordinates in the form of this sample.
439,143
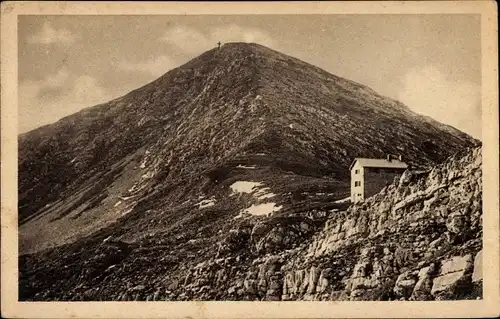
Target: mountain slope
236,132
418,239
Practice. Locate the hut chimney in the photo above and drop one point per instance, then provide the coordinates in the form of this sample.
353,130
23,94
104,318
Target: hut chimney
400,157
389,157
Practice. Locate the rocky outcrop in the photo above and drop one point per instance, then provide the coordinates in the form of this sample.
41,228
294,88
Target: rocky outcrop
477,275
454,276
418,239
442,206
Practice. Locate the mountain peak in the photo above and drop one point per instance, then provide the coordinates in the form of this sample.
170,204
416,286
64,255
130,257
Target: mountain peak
241,45
241,151
246,47
230,51
190,132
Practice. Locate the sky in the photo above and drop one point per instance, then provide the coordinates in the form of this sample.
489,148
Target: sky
430,62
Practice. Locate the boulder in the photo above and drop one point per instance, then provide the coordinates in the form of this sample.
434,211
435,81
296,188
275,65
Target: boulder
323,280
313,279
423,287
288,283
299,279
405,178
139,288
453,277
250,286
458,227
477,274
156,296
404,285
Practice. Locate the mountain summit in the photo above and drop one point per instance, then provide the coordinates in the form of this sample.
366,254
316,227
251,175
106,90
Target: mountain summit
235,136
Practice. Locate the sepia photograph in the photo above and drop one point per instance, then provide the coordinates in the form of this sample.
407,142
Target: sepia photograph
292,157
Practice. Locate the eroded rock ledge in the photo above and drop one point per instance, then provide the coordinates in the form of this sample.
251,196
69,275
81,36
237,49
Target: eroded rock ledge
418,239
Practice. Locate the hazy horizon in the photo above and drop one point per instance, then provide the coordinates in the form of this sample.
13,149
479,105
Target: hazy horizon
432,63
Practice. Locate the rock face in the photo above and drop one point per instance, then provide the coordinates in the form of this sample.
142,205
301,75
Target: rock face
454,275
221,180
419,236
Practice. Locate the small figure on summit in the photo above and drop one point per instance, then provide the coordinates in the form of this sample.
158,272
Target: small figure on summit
218,43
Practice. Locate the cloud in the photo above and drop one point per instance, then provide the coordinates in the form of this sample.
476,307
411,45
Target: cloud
70,93
457,103
233,33
56,80
192,41
188,39
49,35
156,67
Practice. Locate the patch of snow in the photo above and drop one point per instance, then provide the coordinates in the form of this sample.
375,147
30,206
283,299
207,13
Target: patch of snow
146,157
186,202
267,195
126,197
244,186
111,267
126,212
107,239
262,209
206,203
320,194
246,167
264,193
343,200
261,154
200,265
118,203
290,126
147,175
73,160
258,192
